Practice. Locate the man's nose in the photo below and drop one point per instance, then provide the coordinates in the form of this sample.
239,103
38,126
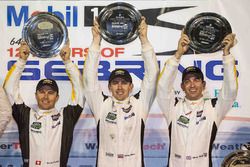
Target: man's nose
46,95
119,84
192,84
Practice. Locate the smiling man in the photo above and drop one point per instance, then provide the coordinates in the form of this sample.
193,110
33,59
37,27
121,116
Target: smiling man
45,133
193,83
47,94
120,118
120,84
193,120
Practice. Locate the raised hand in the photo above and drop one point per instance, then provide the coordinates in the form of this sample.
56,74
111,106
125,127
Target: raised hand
143,30
183,45
24,50
228,43
96,32
65,52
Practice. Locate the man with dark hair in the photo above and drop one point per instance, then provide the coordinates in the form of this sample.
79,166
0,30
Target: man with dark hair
120,117
5,111
45,133
193,120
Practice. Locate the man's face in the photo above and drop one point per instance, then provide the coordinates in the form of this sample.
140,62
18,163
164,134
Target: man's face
46,98
120,88
193,87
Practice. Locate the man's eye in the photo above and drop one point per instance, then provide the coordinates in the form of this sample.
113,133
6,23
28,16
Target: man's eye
51,92
41,91
197,80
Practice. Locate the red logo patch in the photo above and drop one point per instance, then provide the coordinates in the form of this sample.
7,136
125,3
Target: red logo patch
38,162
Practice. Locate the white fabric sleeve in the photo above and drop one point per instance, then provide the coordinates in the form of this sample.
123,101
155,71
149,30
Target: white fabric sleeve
165,92
12,81
75,77
5,111
148,85
229,89
92,88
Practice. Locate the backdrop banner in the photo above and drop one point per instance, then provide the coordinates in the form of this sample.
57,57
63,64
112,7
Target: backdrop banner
165,21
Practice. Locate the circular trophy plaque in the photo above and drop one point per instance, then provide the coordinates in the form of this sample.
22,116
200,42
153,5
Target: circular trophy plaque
239,158
45,33
206,31
119,23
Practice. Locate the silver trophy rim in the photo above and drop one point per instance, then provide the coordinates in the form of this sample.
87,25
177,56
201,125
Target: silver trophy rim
119,6
42,53
233,156
207,16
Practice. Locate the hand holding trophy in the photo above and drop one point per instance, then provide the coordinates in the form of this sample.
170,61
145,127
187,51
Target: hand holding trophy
45,34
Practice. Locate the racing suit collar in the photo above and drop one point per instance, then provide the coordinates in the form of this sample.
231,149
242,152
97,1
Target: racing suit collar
118,102
123,105
41,113
193,105
194,102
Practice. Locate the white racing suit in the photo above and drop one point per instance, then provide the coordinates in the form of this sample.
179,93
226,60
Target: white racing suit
45,135
5,111
120,124
193,124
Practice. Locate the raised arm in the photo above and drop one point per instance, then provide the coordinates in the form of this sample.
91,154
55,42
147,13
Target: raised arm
11,83
148,86
165,92
5,111
93,92
229,88
75,77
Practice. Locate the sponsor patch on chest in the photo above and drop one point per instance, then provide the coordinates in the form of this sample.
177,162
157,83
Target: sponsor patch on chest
55,117
126,110
111,117
36,125
200,119
38,162
183,121
129,116
56,124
